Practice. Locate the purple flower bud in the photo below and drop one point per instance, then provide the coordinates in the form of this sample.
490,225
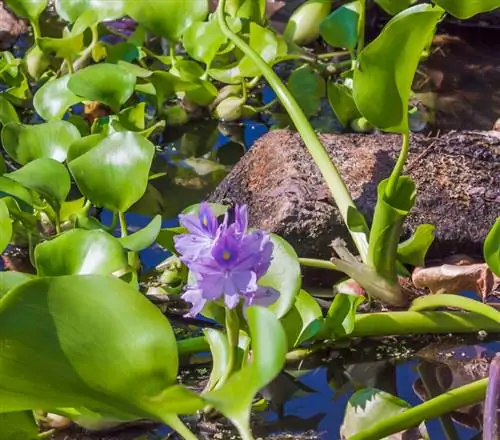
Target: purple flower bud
226,260
491,422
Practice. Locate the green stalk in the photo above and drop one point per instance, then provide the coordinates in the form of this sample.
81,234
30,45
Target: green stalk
443,404
319,264
233,333
392,185
327,168
177,424
123,224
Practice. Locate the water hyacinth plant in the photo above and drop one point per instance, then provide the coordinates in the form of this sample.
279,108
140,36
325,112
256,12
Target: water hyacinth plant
78,335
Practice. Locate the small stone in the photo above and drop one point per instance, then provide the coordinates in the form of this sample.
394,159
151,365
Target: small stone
11,27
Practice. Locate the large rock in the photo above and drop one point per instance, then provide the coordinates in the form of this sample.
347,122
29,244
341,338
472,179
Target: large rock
457,175
11,27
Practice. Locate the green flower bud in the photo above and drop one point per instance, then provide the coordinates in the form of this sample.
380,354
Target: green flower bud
303,26
361,125
230,109
176,116
226,92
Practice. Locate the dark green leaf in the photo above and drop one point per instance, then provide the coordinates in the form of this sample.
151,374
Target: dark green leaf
341,27
467,8
307,87
387,65
114,174
394,7
234,398
144,238
47,177
164,84
54,98
283,275
19,425
71,10
340,319
491,249
30,9
413,250
7,112
174,18
14,189
25,143
303,320
166,237
107,83
5,226
122,52
105,348
342,102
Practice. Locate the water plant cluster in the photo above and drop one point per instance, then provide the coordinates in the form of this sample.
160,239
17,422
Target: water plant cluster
77,336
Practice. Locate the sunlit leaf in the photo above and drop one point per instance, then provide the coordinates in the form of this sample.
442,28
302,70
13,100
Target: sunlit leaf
114,174
70,10
5,226
219,348
105,348
303,25
30,9
19,425
47,177
107,83
174,18
53,99
133,118
467,8
25,143
269,346
341,27
203,40
340,319
491,248
413,250
66,47
394,7
387,66
143,238
264,42
7,112
342,102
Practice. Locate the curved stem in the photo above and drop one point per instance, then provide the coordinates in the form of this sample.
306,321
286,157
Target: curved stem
392,185
178,425
233,332
86,54
327,168
443,404
123,224
320,264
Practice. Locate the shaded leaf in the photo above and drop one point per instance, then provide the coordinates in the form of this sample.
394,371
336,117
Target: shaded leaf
467,8
83,145
7,112
19,425
25,143
341,27
413,250
342,102
114,174
219,349
166,237
19,192
5,226
143,238
133,118
30,9
54,98
307,87
11,279
387,66
394,7
340,319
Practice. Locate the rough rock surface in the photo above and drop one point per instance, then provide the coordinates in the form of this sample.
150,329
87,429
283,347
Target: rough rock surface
11,27
457,176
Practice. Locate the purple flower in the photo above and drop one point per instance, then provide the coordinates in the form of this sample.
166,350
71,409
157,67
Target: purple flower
226,259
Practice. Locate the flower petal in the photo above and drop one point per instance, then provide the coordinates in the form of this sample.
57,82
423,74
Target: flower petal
194,295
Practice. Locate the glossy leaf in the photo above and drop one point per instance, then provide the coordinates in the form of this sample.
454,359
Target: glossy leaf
71,10
491,248
30,9
217,208
341,27
80,252
394,7
107,83
25,143
105,348
143,238
7,112
307,87
387,65
303,320
19,192
133,118
387,226
47,177
264,42
368,406
234,398
66,47
83,145
5,226
467,8
114,174
284,275
174,18
19,425
342,102
54,98
203,40
414,250
341,316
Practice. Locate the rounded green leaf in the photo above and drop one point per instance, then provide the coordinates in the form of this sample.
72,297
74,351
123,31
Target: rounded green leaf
54,98
30,9
143,238
114,174
14,189
71,10
467,8
283,275
81,146
307,87
80,252
167,18
203,40
7,112
25,143
107,83
341,27
265,43
88,341
491,249
387,66
5,226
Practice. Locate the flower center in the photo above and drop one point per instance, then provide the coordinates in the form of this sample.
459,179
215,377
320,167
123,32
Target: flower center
226,255
204,221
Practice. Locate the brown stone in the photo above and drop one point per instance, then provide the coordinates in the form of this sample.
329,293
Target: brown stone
457,176
11,27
